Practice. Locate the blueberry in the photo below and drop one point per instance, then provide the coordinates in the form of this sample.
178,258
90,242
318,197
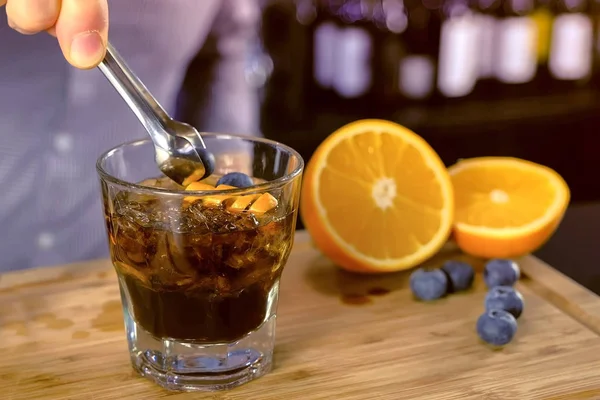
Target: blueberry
236,179
496,327
208,159
500,272
505,298
428,284
460,274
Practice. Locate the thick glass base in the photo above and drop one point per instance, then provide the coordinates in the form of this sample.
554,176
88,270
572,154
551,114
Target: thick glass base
187,366
182,365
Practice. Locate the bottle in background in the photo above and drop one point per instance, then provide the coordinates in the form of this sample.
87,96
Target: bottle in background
458,60
595,13
324,31
285,38
487,19
544,18
354,55
354,50
417,69
571,50
390,17
516,54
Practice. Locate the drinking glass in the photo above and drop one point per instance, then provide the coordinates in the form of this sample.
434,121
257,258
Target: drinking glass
199,270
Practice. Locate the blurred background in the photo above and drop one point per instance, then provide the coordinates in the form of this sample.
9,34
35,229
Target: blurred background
474,78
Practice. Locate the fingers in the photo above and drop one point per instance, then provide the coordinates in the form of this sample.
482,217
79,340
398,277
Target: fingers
82,31
32,16
81,26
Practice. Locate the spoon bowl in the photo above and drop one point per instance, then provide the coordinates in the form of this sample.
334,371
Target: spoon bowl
180,152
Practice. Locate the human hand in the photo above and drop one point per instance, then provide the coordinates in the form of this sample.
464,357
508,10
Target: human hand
81,26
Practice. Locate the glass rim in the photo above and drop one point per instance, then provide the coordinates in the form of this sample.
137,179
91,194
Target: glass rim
275,183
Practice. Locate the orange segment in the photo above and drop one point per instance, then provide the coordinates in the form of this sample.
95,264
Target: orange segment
225,187
259,204
377,198
217,200
196,186
264,203
194,176
240,203
212,201
506,207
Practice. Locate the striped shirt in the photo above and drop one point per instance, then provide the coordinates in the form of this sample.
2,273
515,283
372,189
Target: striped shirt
55,120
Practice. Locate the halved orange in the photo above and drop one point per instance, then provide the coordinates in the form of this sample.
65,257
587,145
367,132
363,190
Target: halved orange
506,207
376,198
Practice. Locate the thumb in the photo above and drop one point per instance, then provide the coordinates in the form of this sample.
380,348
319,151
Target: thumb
82,31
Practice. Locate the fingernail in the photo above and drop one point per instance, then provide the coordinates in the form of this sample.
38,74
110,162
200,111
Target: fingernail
87,49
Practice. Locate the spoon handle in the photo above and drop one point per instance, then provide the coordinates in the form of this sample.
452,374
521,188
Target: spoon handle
150,113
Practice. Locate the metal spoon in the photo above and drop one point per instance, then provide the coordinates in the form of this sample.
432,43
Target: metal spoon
180,151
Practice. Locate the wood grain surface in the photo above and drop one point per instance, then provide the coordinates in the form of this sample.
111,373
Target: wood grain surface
339,336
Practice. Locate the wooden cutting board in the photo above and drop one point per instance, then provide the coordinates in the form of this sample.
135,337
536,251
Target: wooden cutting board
339,336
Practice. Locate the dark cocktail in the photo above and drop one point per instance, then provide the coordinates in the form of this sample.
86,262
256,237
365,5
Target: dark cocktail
199,266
